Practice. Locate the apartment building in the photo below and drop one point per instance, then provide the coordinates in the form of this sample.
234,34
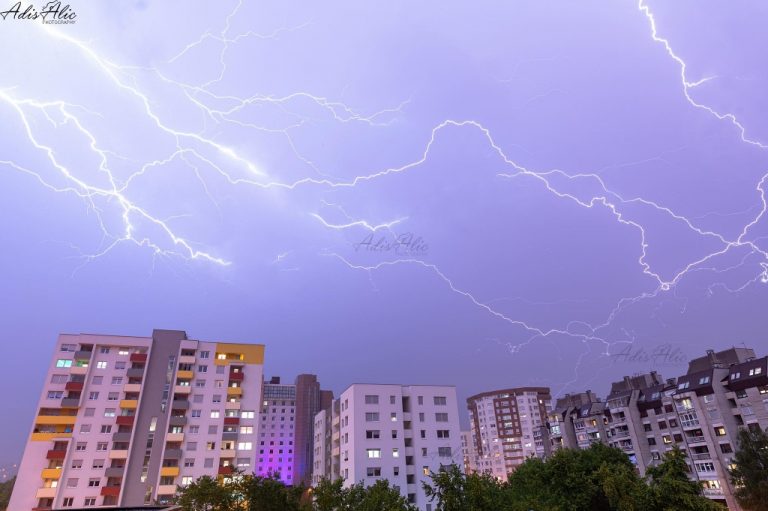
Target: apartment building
468,452
700,412
122,421
285,440
505,426
576,421
396,432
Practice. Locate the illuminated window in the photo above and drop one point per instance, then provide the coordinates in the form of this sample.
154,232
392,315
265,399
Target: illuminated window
101,364
373,453
62,362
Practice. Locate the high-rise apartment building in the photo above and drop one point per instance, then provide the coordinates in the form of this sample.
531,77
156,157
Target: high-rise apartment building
504,426
576,421
700,412
394,432
287,416
123,420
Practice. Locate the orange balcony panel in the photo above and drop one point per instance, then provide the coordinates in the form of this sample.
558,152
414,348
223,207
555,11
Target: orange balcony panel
74,386
138,357
51,473
129,403
110,491
56,455
234,391
125,420
169,471
45,437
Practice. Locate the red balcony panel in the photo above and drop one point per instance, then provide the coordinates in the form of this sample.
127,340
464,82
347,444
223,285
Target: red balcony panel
43,508
56,455
226,471
110,491
231,421
236,376
138,357
74,386
125,420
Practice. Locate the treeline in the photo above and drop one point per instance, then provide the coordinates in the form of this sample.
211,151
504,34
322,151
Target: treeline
600,478
5,493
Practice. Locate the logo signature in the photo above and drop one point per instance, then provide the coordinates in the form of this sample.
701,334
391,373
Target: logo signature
52,13
664,354
403,244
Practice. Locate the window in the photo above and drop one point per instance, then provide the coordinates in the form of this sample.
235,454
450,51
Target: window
244,446
246,430
651,441
59,378
216,398
421,416
199,383
98,464
202,369
193,430
420,400
443,433
371,400
392,400
440,400
215,414
726,448
191,446
372,417
72,482
205,354
96,380
373,453
393,416
212,430
106,428
196,413
122,351
117,380
189,462
113,396
441,417
208,463
209,446
684,385
101,364
736,376
703,380
89,412
109,412
719,431
77,464
55,394
93,396
89,501
395,452
101,446
63,362
372,433
81,446
755,371
186,480
94,482
120,365
444,452
373,471
247,414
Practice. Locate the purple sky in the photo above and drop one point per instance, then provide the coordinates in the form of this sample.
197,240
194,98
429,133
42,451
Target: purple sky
574,184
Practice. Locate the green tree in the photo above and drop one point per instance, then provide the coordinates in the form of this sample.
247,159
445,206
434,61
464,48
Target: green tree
378,497
452,490
670,488
269,493
328,495
208,494
5,493
750,474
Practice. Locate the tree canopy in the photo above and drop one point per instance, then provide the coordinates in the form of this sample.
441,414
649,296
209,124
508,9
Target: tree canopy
750,472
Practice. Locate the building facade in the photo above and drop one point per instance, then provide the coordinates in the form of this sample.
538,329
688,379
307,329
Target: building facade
123,420
287,414
396,432
505,426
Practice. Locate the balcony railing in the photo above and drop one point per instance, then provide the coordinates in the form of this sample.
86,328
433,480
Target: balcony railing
695,439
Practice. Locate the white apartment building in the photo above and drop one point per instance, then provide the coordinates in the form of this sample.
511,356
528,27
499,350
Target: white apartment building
396,432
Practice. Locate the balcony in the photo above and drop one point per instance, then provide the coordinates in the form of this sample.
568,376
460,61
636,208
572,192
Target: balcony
169,471
130,404
226,471
172,454
695,439
114,471
232,406
70,402
227,453
231,437
76,386
110,491
78,370
231,421
166,489
125,420
118,454
180,404
132,387
45,437
174,437
83,355
184,375
138,357
702,456
51,473
620,434
56,420
713,492
45,493
135,372
182,389
177,421
239,376
234,391
56,455
121,437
